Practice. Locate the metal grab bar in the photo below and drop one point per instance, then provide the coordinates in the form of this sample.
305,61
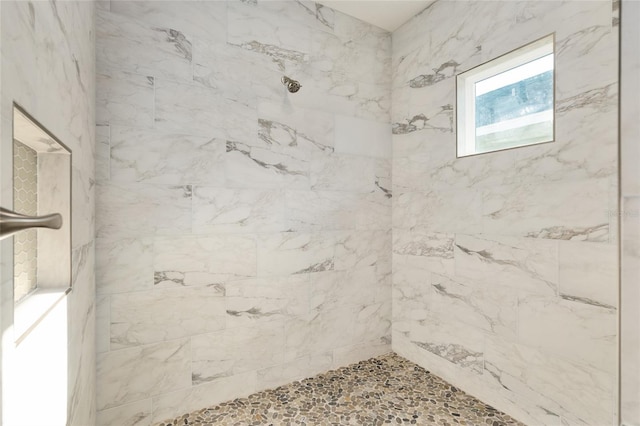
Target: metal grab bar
12,222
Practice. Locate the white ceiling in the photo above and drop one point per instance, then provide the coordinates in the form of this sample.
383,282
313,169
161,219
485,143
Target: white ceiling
387,14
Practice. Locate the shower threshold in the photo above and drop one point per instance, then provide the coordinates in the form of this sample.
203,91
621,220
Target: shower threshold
384,390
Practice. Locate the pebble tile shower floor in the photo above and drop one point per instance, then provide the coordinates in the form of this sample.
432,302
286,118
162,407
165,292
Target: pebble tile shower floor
384,390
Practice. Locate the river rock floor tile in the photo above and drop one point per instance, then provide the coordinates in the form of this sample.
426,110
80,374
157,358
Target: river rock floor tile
384,390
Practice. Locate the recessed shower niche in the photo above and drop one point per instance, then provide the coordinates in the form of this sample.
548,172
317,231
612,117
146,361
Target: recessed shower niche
40,222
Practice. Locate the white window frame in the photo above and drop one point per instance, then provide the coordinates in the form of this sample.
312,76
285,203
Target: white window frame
466,86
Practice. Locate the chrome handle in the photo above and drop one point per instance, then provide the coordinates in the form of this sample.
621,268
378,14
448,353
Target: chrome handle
12,222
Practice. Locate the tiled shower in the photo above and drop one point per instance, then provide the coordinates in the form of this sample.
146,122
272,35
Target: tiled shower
240,237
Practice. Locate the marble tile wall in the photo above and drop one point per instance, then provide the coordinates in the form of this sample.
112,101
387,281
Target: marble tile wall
48,67
243,233
630,215
505,265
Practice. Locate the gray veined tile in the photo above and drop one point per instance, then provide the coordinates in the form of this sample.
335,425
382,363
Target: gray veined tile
569,210
453,211
205,20
138,373
422,249
522,263
342,173
320,210
588,273
102,152
173,404
196,110
237,350
207,260
223,210
124,98
164,314
479,304
572,390
134,414
308,13
410,293
282,126
142,155
588,334
268,33
135,209
335,288
236,73
115,273
260,300
452,341
135,46
248,166
291,253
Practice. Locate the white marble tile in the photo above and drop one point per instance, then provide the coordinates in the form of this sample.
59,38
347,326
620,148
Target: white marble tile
141,155
191,260
142,48
419,248
135,414
267,32
297,369
102,152
362,137
457,211
236,350
249,166
288,129
164,314
362,351
568,389
223,210
573,210
588,333
342,173
83,219
451,340
132,209
196,110
629,314
170,405
235,72
320,210
479,304
124,98
135,374
373,322
115,271
588,273
373,211
362,249
205,20
291,253
103,323
308,13
260,300
320,331
351,59
334,288
410,293
522,263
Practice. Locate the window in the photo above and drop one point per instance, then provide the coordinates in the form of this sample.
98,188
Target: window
507,102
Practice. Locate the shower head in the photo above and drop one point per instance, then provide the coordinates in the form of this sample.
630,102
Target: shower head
292,85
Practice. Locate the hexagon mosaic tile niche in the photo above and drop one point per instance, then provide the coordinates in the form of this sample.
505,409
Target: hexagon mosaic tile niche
25,200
